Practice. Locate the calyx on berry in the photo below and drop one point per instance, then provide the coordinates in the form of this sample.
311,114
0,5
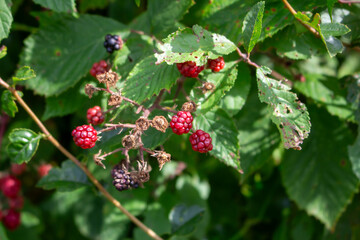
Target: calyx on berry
216,64
95,115
181,122
84,136
189,69
201,141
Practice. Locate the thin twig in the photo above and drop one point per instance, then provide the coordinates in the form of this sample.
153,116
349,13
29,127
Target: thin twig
112,152
111,126
115,202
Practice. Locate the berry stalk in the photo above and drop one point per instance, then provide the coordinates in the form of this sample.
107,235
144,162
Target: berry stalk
49,137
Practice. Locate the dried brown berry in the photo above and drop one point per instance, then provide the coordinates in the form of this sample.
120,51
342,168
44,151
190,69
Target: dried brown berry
207,86
114,100
89,90
142,123
160,123
110,78
162,158
130,141
189,107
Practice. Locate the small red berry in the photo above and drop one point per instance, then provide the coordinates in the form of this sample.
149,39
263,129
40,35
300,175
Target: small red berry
216,64
44,169
11,219
84,136
201,141
10,186
181,122
18,169
95,116
99,68
189,69
16,202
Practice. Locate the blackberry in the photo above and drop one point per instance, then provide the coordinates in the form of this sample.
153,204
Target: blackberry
122,179
181,122
84,136
216,64
112,43
189,69
201,141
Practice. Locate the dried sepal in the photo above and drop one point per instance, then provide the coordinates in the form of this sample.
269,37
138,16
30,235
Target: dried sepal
110,78
129,141
162,158
207,86
98,159
114,100
160,123
90,89
189,107
142,123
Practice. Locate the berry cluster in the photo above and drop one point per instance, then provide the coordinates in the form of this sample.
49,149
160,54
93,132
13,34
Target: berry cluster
112,43
216,64
95,116
98,68
189,69
201,141
84,136
123,180
10,187
181,122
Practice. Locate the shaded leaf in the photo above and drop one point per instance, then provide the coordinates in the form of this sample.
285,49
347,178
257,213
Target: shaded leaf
252,25
61,56
58,6
319,178
354,156
8,104
223,82
221,129
148,78
5,19
184,219
24,73
23,145
287,112
196,44
67,178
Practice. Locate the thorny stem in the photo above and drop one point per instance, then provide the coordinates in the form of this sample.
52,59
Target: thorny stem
147,150
111,126
112,152
111,109
49,137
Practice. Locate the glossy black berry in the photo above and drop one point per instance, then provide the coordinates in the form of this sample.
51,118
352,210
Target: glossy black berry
112,43
122,179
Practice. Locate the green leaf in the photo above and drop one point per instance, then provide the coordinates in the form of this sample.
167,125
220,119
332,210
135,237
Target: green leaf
152,138
328,92
223,82
3,235
252,25
221,129
58,6
147,78
115,225
354,156
138,2
328,31
330,5
65,103
196,44
84,6
5,19
24,73
287,112
163,14
319,178
23,145
8,104
61,55
67,178
184,219
3,51
235,99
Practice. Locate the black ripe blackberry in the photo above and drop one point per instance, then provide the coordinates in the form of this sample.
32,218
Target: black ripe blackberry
123,180
112,43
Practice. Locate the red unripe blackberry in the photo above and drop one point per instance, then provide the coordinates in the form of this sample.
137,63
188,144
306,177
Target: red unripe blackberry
99,68
11,219
10,186
18,169
189,69
95,116
216,64
181,122
44,169
84,136
16,202
201,141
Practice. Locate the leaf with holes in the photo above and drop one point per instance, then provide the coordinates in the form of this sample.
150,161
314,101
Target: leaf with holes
221,128
287,112
23,145
252,25
147,78
196,44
